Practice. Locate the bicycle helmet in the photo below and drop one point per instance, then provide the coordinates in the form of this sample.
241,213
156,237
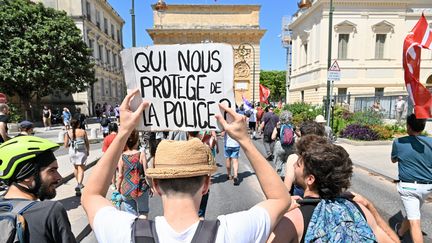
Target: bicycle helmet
20,149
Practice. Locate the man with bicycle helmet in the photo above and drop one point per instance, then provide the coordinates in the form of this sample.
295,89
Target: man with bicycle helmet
28,166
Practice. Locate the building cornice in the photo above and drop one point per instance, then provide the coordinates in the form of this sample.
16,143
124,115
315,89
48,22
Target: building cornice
111,10
213,8
324,5
256,32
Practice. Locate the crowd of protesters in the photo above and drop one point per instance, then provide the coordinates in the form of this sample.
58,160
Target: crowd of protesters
302,161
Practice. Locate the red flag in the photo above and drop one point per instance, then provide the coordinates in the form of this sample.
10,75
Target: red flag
264,94
419,37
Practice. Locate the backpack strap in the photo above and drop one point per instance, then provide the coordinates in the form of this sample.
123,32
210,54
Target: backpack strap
144,231
206,231
15,206
21,206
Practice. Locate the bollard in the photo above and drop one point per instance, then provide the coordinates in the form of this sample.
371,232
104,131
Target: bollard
61,135
93,133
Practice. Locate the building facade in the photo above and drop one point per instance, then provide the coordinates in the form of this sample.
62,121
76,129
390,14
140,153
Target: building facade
101,28
237,25
367,42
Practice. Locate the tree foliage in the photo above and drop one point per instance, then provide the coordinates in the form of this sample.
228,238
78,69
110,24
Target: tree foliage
41,51
275,81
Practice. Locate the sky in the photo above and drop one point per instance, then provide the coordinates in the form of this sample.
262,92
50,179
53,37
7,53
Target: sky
273,55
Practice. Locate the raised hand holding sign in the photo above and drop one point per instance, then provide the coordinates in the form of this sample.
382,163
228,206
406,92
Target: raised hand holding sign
184,83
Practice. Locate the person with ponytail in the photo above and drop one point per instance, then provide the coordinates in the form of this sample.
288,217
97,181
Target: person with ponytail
76,140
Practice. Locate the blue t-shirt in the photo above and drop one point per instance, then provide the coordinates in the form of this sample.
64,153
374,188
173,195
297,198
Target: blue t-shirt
414,156
66,115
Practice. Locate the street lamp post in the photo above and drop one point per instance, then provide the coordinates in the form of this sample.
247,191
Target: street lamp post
328,101
243,52
132,12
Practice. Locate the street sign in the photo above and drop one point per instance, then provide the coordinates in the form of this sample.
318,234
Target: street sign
334,66
333,74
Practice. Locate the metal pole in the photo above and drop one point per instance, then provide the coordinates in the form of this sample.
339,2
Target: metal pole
132,11
330,104
253,84
329,60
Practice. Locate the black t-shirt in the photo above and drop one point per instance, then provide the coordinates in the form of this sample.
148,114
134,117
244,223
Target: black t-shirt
5,120
270,121
47,221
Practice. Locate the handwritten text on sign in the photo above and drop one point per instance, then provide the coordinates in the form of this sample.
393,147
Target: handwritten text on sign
184,84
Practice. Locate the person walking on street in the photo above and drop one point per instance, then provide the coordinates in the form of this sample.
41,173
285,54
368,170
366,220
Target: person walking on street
413,154
328,213
117,112
26,128
105,121
268,124
306,128
4,119
284,135
232,152
29,167
328,131
46,117
77,142
112,129
66,115
400,108
180,174
253,122
81,118
131,183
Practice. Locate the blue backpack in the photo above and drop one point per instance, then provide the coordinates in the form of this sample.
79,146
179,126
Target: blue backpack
338,220
286,135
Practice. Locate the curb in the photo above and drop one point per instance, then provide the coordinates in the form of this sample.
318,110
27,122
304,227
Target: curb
364,143
388,178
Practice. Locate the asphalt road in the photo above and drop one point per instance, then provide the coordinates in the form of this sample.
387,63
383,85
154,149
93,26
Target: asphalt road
386,199
226,198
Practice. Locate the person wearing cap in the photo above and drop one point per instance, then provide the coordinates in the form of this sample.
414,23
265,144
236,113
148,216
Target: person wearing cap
180,174
26,128
29,168
328,131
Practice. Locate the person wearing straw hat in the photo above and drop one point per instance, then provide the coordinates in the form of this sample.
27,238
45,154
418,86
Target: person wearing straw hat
328,131
180,174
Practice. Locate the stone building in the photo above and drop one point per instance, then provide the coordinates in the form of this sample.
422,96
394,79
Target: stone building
101,28
237,25
367,42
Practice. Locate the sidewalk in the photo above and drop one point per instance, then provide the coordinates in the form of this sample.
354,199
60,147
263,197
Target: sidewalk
374,158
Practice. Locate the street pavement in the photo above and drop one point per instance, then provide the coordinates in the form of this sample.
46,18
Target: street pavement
373,158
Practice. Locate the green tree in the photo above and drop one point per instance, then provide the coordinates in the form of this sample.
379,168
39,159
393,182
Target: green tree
275,81
41,51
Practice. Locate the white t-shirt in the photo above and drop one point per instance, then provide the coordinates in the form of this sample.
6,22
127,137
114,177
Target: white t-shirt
252,117
112,225
230,142
400,105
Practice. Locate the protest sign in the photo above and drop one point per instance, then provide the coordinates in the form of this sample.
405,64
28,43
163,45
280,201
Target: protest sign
184,83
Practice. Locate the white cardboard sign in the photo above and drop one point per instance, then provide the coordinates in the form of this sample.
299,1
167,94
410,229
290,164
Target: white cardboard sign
184,83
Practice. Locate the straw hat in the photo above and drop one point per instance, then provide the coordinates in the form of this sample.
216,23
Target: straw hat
320,119
181,159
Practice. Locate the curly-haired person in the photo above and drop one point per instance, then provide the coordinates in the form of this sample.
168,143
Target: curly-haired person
324,171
